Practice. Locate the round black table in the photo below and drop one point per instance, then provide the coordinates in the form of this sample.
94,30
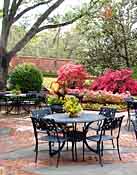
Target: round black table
84,117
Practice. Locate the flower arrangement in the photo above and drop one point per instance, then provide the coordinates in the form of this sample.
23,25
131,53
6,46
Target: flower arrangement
72,105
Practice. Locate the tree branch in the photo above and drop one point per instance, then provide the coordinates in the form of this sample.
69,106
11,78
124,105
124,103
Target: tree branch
6,8
13,9
29,35
19,3
51,26
30,8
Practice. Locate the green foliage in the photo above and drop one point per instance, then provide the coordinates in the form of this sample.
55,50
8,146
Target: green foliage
134,75
49,74
27,77
72,105
97,106
109,42
54,99
1,13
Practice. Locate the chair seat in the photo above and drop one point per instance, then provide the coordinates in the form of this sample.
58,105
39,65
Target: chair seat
94,128
45,131
52,138
96,138
133,115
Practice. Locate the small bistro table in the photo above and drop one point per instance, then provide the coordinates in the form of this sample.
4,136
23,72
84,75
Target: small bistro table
84,117
14,102
23,101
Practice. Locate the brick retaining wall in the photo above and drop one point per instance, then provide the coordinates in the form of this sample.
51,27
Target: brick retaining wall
44,64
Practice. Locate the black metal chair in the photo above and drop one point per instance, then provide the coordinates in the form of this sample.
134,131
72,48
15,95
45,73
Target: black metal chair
56,108
35,117
132,111
108,124
134,123
54,134
108,113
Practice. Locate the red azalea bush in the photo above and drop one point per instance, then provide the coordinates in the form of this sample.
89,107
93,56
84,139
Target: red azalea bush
116,81
72,75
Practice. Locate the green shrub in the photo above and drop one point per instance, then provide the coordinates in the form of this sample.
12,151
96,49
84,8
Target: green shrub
53,99
49,74
134,75
27,77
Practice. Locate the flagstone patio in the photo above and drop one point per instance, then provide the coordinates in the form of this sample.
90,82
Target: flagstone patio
17,153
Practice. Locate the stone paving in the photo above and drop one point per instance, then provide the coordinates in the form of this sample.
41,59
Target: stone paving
17,153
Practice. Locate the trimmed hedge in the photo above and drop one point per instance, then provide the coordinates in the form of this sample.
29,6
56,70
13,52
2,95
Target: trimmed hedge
26,77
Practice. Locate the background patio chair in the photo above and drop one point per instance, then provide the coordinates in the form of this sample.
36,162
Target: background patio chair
3,101
108,112
134,122
131,109
101,137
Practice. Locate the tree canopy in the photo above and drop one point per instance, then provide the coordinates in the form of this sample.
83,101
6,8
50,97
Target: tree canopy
14,10
108,39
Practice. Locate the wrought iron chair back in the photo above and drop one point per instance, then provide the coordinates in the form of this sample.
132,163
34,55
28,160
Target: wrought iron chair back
52,128
134,105
101,137
112,124
55,134
108,112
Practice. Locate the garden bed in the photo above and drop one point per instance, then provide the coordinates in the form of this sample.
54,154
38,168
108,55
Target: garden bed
96,106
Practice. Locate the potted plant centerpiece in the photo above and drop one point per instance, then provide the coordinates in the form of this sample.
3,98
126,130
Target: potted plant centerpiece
72,106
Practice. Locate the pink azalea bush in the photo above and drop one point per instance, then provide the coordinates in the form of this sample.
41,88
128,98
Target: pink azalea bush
72,75
77,90
116,81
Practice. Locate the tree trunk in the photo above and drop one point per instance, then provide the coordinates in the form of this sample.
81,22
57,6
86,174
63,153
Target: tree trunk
4,64
125,47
